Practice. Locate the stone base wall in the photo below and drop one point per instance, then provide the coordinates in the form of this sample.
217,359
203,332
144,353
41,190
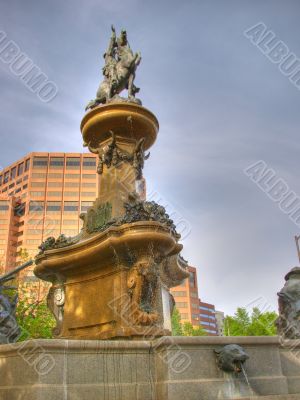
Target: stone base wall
170,368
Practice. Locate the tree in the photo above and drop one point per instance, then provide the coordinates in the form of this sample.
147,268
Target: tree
257,324
189,330
185,329
33,316
34,319
176,323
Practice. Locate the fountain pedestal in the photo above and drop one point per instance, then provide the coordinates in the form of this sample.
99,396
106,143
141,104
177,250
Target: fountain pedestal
113,279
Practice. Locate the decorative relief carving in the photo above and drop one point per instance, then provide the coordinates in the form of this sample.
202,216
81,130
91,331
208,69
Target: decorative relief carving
112,155
55,302
142,283
98,219
231,358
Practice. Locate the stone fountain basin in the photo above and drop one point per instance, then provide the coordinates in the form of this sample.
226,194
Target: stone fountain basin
126,120
105,248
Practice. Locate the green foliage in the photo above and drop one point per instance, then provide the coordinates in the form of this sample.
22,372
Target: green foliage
189,330
257,324
23,255
176,324
35,320
185,329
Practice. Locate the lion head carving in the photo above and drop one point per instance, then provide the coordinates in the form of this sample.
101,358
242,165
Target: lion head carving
231,358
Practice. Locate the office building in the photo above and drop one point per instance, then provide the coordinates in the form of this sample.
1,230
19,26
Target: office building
42,195
191,308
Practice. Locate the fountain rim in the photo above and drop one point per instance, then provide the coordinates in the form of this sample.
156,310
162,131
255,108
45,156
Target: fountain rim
120,233
97,122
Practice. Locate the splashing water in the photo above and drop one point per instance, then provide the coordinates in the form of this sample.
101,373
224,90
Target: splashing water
235,387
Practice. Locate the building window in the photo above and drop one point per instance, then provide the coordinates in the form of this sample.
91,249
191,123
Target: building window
207,309
88,194
184,316
38,194
40,162
25,186
20,169
71,194
192,279
181,305
88,176
11,186
25,178
195,295
13,173
88,184
36,206
34,231
89,163
6,177
38,184
50,221
56,162
1,179
72,176
72,184
71,206
35,222
54,194
195,316
39,175
53,206
179,294
208,316
54,184
33,241
27,164
85,205
70,222
210,331
4,206
73,163
54,176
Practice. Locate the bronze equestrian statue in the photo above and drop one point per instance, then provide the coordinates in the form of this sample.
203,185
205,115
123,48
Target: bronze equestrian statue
118,71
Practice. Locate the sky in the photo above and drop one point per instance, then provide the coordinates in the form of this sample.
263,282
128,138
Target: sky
222,105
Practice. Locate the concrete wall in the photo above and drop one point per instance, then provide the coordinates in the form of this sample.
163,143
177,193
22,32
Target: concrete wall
165,369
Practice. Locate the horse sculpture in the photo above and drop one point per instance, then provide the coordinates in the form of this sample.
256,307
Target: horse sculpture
119,72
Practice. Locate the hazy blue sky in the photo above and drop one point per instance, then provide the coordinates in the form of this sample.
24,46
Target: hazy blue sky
221,103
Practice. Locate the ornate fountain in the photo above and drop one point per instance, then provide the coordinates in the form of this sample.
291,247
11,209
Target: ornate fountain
113,279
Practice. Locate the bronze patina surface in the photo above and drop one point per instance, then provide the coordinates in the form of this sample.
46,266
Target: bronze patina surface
113,279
